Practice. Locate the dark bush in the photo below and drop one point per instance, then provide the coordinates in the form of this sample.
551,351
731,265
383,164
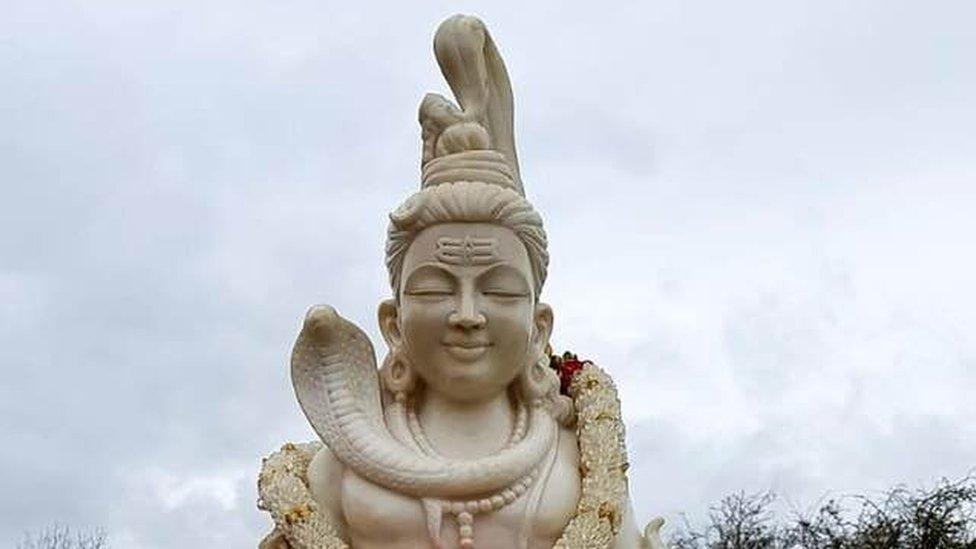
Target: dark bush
61,537
941,518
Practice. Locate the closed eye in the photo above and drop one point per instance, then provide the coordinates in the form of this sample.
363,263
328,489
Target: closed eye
429,281
429,291
504,293
503,281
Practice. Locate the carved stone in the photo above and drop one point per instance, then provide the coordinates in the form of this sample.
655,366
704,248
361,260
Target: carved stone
470,433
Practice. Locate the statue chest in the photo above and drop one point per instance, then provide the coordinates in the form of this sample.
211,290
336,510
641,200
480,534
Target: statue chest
379,518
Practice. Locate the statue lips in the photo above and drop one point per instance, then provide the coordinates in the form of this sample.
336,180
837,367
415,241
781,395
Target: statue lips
467,350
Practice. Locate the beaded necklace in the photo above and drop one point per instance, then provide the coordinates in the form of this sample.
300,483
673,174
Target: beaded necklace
465,510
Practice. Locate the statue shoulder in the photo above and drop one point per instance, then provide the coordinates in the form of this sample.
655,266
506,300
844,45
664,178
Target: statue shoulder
287,489
325,481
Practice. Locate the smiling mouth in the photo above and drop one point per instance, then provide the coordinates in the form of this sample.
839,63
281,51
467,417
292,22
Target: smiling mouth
467,352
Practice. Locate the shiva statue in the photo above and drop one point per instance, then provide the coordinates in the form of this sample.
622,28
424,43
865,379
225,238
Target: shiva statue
471,433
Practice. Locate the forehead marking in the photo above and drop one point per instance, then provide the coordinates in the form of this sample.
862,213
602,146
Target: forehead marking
466,251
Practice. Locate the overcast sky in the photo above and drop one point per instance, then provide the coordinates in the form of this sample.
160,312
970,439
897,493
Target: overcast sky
761,216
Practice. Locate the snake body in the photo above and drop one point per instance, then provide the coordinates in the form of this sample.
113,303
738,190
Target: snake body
333,370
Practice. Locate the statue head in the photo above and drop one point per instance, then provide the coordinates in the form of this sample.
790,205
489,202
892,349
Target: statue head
467,254
466,318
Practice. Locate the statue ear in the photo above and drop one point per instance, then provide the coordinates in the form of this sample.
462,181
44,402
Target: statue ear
543,326
390,323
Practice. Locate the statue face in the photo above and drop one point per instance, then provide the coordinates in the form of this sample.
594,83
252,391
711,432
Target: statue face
467,317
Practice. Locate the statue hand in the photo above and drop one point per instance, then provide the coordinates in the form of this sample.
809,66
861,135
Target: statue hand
652,534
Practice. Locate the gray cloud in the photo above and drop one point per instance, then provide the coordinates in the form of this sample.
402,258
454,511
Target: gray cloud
781,255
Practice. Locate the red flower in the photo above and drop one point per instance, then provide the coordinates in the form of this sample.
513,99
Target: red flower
566,366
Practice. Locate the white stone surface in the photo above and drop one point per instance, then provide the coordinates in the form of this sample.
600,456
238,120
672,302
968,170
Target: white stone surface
462,437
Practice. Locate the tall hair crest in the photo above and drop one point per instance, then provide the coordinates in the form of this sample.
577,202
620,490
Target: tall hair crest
476,141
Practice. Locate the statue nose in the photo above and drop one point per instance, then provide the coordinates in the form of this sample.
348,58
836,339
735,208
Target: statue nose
467,322
467,317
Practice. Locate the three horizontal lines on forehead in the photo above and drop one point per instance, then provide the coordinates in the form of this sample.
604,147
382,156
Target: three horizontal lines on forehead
466,251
